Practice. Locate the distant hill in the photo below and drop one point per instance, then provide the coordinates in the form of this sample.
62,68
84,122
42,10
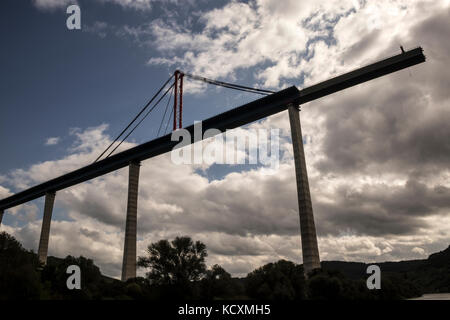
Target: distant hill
431,274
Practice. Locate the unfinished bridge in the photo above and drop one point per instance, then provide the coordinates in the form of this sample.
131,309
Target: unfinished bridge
288,99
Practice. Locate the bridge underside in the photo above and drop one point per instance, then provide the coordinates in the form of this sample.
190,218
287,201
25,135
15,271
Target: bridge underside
231,119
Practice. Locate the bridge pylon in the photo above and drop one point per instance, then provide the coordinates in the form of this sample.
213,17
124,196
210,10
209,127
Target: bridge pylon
129,252
45,229
310,250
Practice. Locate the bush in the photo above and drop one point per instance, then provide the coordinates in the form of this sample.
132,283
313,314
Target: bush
282,280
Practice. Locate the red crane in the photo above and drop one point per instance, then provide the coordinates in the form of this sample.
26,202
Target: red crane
178,102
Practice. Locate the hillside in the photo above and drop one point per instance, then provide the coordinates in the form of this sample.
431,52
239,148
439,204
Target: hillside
22,277
431,274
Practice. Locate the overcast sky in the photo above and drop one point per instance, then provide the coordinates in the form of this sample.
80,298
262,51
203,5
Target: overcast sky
378,154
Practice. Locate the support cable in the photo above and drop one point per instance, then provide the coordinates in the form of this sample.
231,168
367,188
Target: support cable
168,121
140,121
229,85
135,118
165,111
175,85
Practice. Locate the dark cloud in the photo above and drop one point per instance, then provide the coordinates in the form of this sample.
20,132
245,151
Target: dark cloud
398,123
91,234
395,129
226,245
361,46
433,35
104,211
399,126
379,210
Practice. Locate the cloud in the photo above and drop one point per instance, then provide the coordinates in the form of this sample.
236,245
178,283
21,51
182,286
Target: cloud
132,4
52,141
138,5
382,209
4,192
418,250
269,35
90,139
53,4
99,28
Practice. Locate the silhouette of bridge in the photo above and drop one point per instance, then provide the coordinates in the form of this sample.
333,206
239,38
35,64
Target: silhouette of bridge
290,98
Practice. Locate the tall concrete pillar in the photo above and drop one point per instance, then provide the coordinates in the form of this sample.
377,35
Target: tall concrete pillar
310,249
129,252
1,216
45,230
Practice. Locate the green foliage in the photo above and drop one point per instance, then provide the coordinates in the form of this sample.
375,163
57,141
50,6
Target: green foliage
18,276
55,276
324,285
434,276
218,284
334,285
178,271
178,262
282,280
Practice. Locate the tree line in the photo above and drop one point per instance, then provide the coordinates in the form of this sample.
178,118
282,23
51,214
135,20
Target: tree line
177,270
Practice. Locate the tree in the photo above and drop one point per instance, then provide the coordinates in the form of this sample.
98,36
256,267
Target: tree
218,284
325,285
179,262
282,280
54,274
18,276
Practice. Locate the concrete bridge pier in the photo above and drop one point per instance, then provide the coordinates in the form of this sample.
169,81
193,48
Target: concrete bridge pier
1,216
45,230
310,249
129,252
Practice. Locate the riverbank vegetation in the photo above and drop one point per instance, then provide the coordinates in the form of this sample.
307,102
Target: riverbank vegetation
176,270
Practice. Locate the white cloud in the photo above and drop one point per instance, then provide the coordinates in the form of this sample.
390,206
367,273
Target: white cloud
4,192
133,4
99,28
141,5
277,42
53,4
52,141
89,139
418,250
242,36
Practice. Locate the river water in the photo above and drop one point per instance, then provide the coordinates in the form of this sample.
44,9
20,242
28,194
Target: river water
434,296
